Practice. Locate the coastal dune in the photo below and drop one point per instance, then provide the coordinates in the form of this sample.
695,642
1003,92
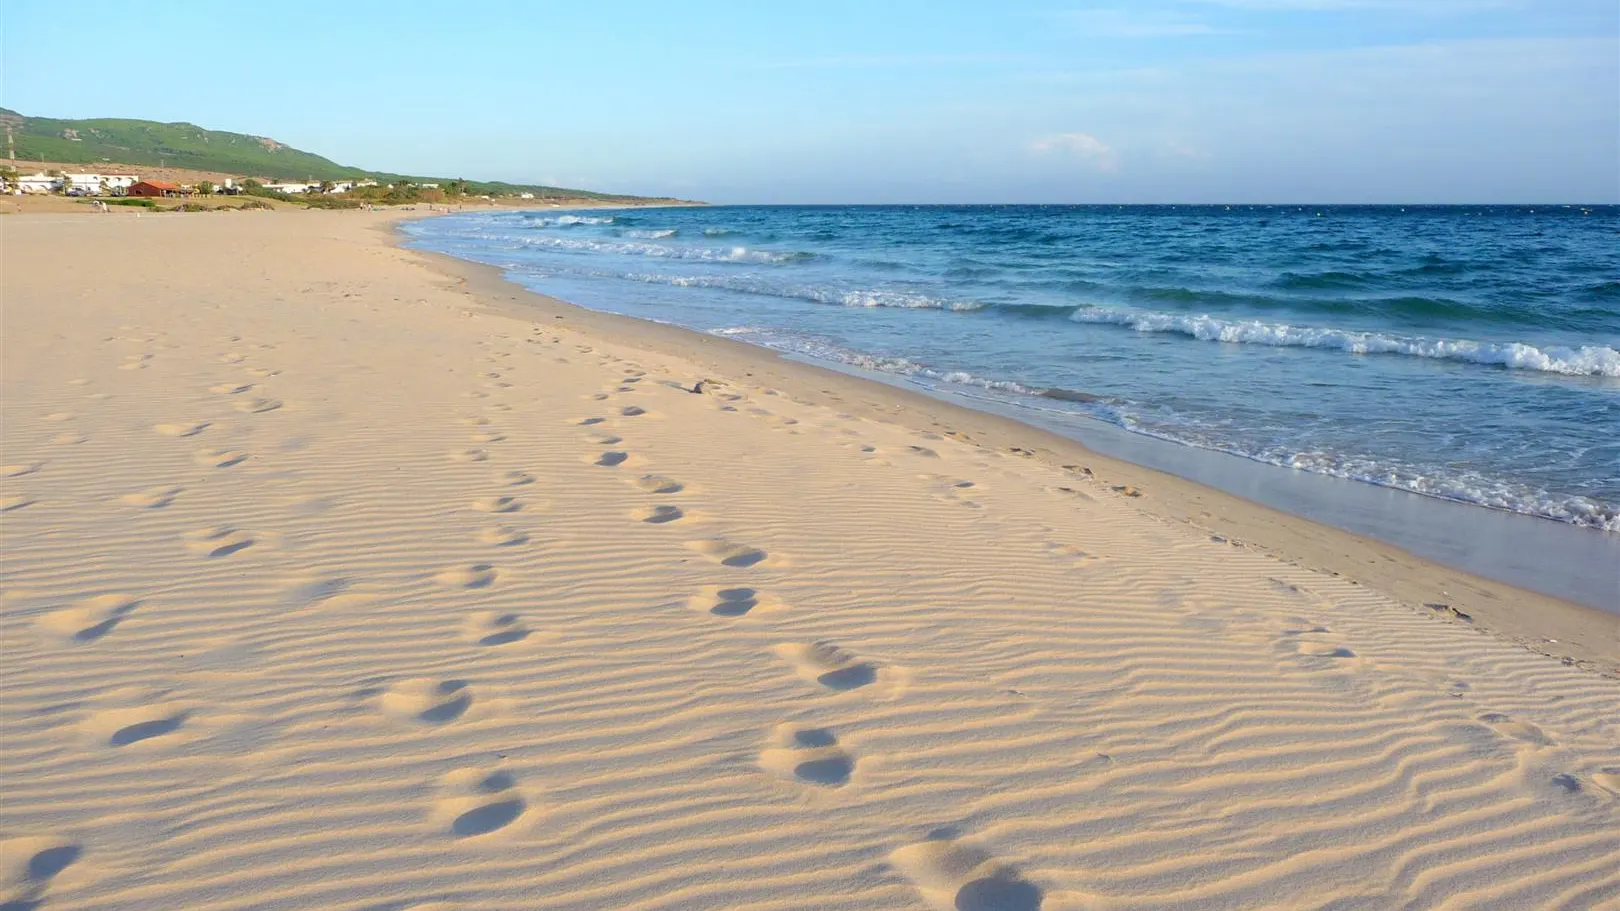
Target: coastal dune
331,583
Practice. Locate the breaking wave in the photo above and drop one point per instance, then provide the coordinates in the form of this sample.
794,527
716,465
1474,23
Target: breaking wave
664,251
563,221
1586,360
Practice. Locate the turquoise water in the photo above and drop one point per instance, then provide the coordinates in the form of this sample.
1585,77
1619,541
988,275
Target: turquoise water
1467,353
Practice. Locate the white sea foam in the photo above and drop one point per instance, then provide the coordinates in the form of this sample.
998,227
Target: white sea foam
650,235
899,366
1459,484
1587,360
754,284
559,221
661,251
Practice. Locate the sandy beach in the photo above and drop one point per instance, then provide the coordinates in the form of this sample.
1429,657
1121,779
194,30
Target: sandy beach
341,576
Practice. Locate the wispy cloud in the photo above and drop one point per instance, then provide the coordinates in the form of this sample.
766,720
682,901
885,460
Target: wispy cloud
1082,147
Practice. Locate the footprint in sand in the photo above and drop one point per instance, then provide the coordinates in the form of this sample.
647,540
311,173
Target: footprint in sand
474,802
487,436
218,458
613,458
631,411
69,438
1518,730
475,575
604,439
652,483
957,875
426,700
502,536
496,504
18,470
469,455
806,754
139,724
827,665
257,405
57,417
180,430
151,497
727,553
90,619
231,388
495,628
30,864
658,515
587,422
732,601
15,502
217,541
514,478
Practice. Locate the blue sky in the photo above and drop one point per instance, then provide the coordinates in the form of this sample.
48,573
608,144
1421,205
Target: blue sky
832,101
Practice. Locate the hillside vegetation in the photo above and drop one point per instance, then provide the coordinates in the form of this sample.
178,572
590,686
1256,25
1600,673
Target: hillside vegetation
184,145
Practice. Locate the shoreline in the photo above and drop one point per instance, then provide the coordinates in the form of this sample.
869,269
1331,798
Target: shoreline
1540,622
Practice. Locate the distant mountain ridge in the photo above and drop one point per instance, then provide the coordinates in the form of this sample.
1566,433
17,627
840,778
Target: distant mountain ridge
186,145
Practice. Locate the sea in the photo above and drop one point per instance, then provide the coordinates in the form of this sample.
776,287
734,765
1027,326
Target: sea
1464,353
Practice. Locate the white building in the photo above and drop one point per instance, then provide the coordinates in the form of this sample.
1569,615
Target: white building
84,183
38,183
341,186
428,186
112,183
525,196
288,187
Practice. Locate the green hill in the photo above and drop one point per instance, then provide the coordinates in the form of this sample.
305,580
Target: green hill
185,145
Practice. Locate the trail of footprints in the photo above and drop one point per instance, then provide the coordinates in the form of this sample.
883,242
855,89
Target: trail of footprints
947,869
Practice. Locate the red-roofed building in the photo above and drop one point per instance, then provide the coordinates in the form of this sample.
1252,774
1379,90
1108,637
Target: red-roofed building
153,188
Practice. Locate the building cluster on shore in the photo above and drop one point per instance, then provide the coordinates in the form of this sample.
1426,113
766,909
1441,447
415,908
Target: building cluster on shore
92,184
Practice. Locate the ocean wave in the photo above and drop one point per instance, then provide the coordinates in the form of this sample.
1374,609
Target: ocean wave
1586,360
857,297
1460,485
820,349
563,221
651,235
664,251
716,232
